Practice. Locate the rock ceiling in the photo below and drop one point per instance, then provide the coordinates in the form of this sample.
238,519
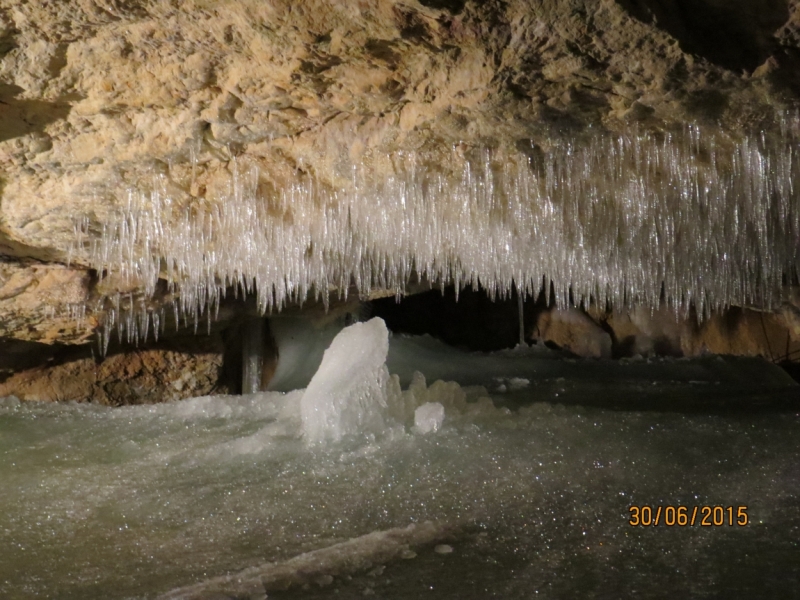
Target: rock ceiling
97,96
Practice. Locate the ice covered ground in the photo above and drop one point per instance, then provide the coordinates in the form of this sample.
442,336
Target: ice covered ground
310,486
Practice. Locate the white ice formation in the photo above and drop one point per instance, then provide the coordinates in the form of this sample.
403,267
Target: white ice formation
353,395
693,216
347,395
429,417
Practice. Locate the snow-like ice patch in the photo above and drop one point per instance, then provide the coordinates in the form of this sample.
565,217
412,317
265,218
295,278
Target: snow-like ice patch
429,417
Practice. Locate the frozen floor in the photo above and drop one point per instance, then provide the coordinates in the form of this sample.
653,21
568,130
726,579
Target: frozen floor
139,501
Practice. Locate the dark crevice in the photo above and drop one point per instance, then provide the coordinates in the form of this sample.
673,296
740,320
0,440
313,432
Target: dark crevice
452,6
474,322
734,34
233,357
791,368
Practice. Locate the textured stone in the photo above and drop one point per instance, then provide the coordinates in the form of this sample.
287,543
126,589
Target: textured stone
135,376
100,95
743,332
35,298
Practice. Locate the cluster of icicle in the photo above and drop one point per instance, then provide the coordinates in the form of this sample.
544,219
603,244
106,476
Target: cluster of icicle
690,217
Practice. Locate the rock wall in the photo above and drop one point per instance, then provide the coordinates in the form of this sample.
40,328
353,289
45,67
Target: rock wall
133,377
595,333
35,301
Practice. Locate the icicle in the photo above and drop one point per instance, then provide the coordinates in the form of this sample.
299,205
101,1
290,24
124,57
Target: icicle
713,219
156,323
252,356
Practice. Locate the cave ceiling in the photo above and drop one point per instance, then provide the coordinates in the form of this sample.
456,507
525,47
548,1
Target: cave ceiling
99,95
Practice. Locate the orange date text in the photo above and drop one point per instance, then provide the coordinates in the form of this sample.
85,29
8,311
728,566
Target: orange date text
688,516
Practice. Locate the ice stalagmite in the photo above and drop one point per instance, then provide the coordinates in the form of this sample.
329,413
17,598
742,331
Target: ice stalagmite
347,395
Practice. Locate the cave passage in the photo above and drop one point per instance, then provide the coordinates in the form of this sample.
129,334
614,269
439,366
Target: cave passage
470,319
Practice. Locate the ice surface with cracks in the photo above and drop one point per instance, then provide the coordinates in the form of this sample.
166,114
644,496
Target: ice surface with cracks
692,216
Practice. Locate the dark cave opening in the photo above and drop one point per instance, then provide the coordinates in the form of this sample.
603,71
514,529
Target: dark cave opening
470,320
735,34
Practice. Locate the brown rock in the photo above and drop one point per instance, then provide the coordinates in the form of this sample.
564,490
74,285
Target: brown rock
134,377
35,299
744,333
640,332
575,331
737,331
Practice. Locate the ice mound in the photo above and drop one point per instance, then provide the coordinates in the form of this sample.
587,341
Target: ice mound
262,405
512,384
347,394
352,392
422,408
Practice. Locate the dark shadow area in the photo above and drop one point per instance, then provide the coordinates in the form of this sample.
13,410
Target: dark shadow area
452,6
233,356
734,34
18,355
698,402
472,322
792,368
21,117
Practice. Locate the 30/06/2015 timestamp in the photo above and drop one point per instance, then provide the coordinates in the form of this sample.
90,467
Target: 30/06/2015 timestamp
688,516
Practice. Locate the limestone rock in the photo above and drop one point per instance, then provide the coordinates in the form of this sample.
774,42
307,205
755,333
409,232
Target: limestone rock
645,333
745,333
737,331
34,302
133,377
99,95
574,331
